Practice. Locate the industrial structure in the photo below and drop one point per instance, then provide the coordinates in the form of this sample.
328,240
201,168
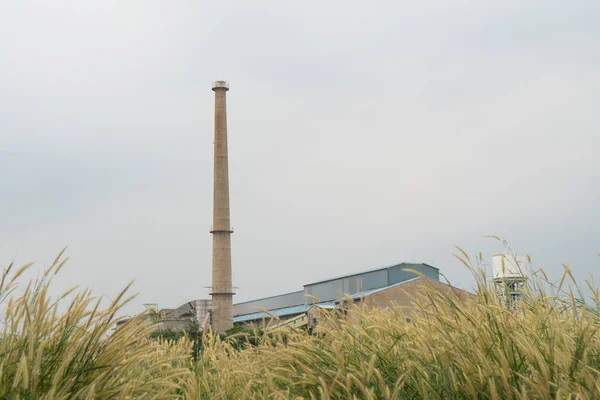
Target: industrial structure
192,313
509,275
383,287
380,287
222,289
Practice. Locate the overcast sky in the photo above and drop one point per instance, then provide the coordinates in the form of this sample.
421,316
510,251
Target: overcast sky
361,134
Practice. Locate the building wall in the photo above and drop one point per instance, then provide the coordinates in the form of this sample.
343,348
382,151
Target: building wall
316,314
334,289
191,312
269,303
374,280
327,290
202,310
176,313
402,295
397,273
172,325
265,321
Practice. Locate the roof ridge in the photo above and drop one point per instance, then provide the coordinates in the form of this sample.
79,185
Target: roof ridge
368,271
269,297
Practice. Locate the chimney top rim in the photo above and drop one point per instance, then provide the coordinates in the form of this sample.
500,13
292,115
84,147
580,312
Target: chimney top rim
220,85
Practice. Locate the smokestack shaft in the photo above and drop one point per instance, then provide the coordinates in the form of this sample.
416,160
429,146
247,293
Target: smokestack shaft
222,291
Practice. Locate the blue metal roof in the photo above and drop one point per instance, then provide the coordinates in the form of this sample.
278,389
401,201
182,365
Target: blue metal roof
349,275
366,293
328,306
269,297
367,271
282,312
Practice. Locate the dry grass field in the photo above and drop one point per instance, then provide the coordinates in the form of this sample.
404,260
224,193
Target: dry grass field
546,346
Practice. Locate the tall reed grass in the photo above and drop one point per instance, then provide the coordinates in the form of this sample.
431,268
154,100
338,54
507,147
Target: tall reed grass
545,346
46,354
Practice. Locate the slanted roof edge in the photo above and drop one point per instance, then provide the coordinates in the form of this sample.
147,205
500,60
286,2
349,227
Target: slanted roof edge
325,304
381,289
367,271
269,297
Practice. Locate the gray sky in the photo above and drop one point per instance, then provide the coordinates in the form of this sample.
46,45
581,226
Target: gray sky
361,135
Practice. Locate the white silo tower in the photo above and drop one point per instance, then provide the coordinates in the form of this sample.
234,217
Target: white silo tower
509,275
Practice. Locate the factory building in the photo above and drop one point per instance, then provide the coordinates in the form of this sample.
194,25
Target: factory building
383,287
380,287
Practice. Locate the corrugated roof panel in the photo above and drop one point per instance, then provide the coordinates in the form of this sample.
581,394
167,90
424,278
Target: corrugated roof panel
282,312
328,306
269,303
365,272
269,297
370,292
277,313
348,275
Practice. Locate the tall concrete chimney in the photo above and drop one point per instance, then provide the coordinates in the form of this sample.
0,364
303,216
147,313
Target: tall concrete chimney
222,291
